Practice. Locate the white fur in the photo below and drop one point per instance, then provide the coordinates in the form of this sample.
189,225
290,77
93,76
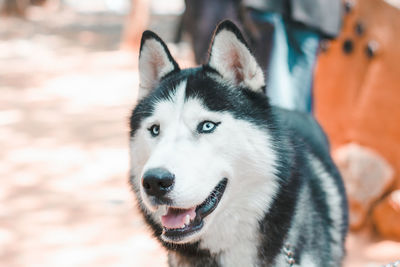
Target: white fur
233,60
153,65
236,150
307,261
334,200
247,200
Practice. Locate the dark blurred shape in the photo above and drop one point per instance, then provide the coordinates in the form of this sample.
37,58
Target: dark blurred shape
38,2
359,28
348,6
324,45
348,46
201,17
372,48
14,7
199,21
18,7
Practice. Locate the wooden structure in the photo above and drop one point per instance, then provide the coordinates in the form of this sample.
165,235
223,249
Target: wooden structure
357,92
357,83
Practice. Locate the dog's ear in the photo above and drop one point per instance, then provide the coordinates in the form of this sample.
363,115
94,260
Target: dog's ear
155,62
231,57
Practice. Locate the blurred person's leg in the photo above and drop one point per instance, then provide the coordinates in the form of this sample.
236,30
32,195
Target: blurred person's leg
290,70
303,50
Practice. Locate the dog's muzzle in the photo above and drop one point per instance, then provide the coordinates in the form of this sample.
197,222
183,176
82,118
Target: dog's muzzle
179,223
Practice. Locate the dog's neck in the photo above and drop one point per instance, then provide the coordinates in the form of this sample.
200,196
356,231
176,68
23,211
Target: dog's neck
241,254
234,243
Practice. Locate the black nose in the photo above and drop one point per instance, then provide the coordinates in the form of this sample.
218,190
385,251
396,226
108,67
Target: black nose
157,182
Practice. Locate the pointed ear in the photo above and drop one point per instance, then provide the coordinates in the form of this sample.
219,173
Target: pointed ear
231,57
155,62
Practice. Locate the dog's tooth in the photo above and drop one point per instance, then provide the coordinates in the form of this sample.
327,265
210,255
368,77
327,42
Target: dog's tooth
163,210
187,219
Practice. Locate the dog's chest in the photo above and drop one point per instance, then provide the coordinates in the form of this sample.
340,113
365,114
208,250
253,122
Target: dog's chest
241,255
244,254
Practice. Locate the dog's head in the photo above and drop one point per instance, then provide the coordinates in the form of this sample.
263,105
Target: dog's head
200,147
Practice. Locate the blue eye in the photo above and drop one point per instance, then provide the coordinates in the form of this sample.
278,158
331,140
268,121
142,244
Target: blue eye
154,130
207,126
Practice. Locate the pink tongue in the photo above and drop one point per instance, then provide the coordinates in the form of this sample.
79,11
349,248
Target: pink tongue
176,218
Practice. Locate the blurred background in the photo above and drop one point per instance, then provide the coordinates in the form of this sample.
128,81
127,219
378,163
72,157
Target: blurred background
68,82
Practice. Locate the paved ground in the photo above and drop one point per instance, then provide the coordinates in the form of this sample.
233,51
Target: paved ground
66,93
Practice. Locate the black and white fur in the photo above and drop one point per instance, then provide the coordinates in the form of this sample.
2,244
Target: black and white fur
283,188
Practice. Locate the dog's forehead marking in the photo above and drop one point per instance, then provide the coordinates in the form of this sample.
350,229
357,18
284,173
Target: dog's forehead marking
174,105
179,96
181,108
168,109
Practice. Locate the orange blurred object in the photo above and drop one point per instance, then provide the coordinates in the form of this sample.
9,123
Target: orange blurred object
386,215
357,83
136,23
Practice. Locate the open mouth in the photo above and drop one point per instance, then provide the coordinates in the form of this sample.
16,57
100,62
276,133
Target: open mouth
179,223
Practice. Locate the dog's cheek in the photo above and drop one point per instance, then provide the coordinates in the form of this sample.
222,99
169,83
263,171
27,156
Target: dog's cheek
139,154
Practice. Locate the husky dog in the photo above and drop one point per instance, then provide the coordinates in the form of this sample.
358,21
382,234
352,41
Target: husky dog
222,177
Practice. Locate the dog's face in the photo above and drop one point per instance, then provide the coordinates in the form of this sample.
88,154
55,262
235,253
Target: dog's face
196,135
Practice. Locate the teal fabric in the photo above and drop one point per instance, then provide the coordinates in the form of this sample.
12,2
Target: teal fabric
292,60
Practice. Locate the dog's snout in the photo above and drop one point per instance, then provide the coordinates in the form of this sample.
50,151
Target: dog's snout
157,182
